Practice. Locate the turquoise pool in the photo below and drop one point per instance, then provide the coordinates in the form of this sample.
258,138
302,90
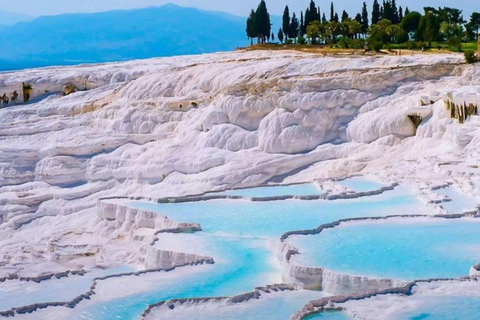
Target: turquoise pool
444,308
243,237
362,184
272,191
273,306
400,249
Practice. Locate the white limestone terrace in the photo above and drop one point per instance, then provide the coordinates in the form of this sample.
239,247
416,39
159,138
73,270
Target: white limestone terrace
188,125
433,298
340,282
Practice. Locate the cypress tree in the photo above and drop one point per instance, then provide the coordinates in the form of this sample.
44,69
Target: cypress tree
395,17
332,12
364,18
324,18
251,32
293,28
387,10
262,22
280,35
336,19
376,12
286,22
345,16
400,14
406,11
311,14
314,14
302,24
358,18
308,18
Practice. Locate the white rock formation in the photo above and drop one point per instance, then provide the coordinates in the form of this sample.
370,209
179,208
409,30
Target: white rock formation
187,125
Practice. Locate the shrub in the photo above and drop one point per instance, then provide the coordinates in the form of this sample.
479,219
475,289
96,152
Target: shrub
401,36
289,41
422,45
455,43
301,40
470,56
376,46
344,43
357,43
411,45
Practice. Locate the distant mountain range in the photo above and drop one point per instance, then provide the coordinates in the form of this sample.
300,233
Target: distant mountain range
120,35
11,18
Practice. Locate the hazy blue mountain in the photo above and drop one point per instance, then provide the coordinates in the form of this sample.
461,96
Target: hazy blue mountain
120,35
11,18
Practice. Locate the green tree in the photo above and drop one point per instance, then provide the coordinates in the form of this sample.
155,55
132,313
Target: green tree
358,18
333,30
314,30
364,18
251,32
280,35
286,22
312,13
376,12
411,21
450,30
387,10
332,12
294,27
303,28
407,11
395,17
475,21
262,22
400,14
429,28
384,26
351,28
345,16
450,15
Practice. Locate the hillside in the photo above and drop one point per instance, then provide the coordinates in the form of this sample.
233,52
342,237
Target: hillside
120,35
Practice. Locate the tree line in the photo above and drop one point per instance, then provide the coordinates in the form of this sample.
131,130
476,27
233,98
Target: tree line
386,23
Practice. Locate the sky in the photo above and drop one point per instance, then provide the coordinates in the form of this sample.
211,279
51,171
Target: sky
237,7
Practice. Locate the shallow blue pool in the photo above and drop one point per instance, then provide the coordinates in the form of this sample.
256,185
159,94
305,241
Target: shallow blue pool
273,306
273,218
272,191
329,316
362,184
239,235
444,308
460,202
407,250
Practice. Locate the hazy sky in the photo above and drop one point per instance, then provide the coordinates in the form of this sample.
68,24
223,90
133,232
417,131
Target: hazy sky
238,7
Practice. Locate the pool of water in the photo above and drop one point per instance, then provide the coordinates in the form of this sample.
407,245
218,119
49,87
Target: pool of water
442,300
271,219
272,191
442,308
460,203
16,293
362,184
329,316
401,248
273,306
242,236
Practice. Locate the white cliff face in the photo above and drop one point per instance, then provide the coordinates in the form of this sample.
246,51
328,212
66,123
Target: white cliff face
187,125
